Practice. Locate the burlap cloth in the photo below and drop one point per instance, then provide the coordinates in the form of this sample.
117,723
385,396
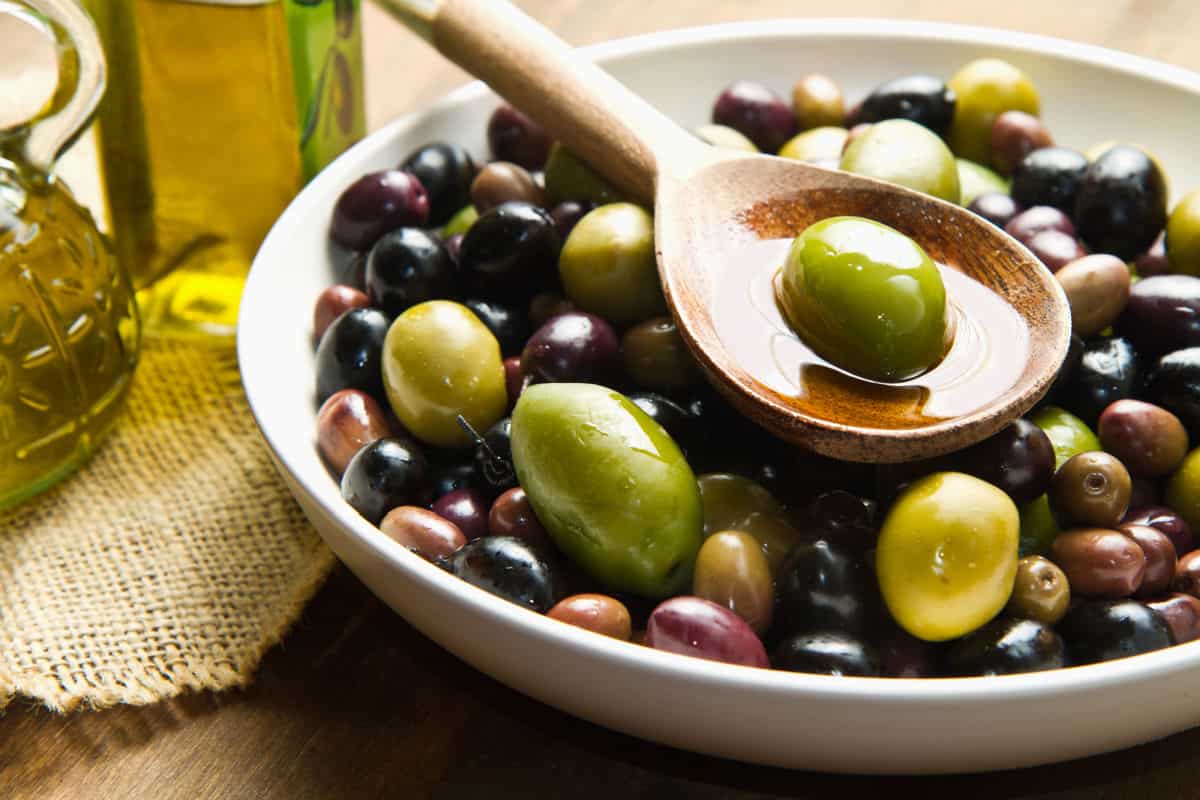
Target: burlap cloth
171,562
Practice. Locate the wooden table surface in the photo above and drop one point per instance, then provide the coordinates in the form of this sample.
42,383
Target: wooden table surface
356,704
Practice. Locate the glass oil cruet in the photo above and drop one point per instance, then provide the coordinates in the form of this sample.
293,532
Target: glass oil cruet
69,330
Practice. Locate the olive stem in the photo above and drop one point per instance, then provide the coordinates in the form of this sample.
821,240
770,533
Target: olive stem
496,469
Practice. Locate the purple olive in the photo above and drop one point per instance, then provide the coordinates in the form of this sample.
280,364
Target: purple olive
1055,249
996,207
1019,459
1034,220
375,204
567,214
1163,314
515,137
757,113
1181,612
1165,520
576,347
1016,134
466,508
1154,261
1160,558
692,626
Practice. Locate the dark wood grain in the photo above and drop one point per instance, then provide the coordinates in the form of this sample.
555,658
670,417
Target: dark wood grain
356,704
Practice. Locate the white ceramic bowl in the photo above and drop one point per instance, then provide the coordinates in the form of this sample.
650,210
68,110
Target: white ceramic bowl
780,718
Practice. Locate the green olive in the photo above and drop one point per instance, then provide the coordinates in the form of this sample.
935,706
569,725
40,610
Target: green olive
1183,490
609,485
1183,235
816,145
1068,434
903,152
985,89
1038,527
732,571
1040,592
947,555
724,136
732,502
568,177
656,358
976,179
440,361
463,219
866,297
608,267
817,101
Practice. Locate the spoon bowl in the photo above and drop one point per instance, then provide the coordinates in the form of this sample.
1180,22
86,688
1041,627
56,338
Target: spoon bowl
709,202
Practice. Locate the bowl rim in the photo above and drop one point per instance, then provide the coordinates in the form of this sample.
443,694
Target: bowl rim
1152,666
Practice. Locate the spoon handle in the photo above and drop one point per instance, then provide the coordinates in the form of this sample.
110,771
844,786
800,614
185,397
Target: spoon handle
625,138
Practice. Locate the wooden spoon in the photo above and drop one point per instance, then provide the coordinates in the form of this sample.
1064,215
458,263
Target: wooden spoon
708,202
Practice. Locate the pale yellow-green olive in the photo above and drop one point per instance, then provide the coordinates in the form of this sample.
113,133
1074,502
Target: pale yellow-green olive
724,136
818,144
906,153
986,88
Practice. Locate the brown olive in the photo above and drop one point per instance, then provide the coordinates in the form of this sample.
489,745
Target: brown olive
817,102
1182,614
1016,134
1160,558
1149,440
732,571
500,182
515,380
1099,563
1187,574
656,358
347,421
1097,289
427,534
598,613
1041,591
512,515
1165,520
545,305
332,302
1090,489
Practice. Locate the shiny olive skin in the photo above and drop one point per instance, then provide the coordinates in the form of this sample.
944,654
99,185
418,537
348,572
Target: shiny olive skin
1187,573
1055,249
906,153
568,177
986,88
566,216
1122,203
1174,384
1091,489
446,171
724,136
1181,612
757,113
385,474
1154,261
1149,440
509,568
1015,135
1099,562
608,266
1160,558
467,508
1183,235
843,518
734,502
1032,221
976,179
866,297
513,136
501,182
1163,314
1006,646
656,358
1097,289
1165,520
506,321
1068,434
427,534
674,418
693,626
1019,460
581,451
1103,630
451,477
408,266
350,355
922,99
1066,373
1183,489
1041,591
816,144
510,248
732,571
817,102
1038,527
598,613
352,271
823,586
515,380
332,302
493,458
512,515
346,422
440,362
375,204
575,346
1109,370
1049,176
826,653
997,208
947,555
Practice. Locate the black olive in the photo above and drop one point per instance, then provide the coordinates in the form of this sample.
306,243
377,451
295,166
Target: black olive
1163,314
508,567
1101,630
826,653
1174,384
507,322
824,586
406,267
1019,459
1121,205
511,248
452,477
385,474
446,171
845,518
923,99
1066,373
350,355
1109,370
493,458
1049,177
677,422
1006,646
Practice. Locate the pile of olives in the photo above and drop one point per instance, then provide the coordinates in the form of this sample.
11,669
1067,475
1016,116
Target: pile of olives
502,392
